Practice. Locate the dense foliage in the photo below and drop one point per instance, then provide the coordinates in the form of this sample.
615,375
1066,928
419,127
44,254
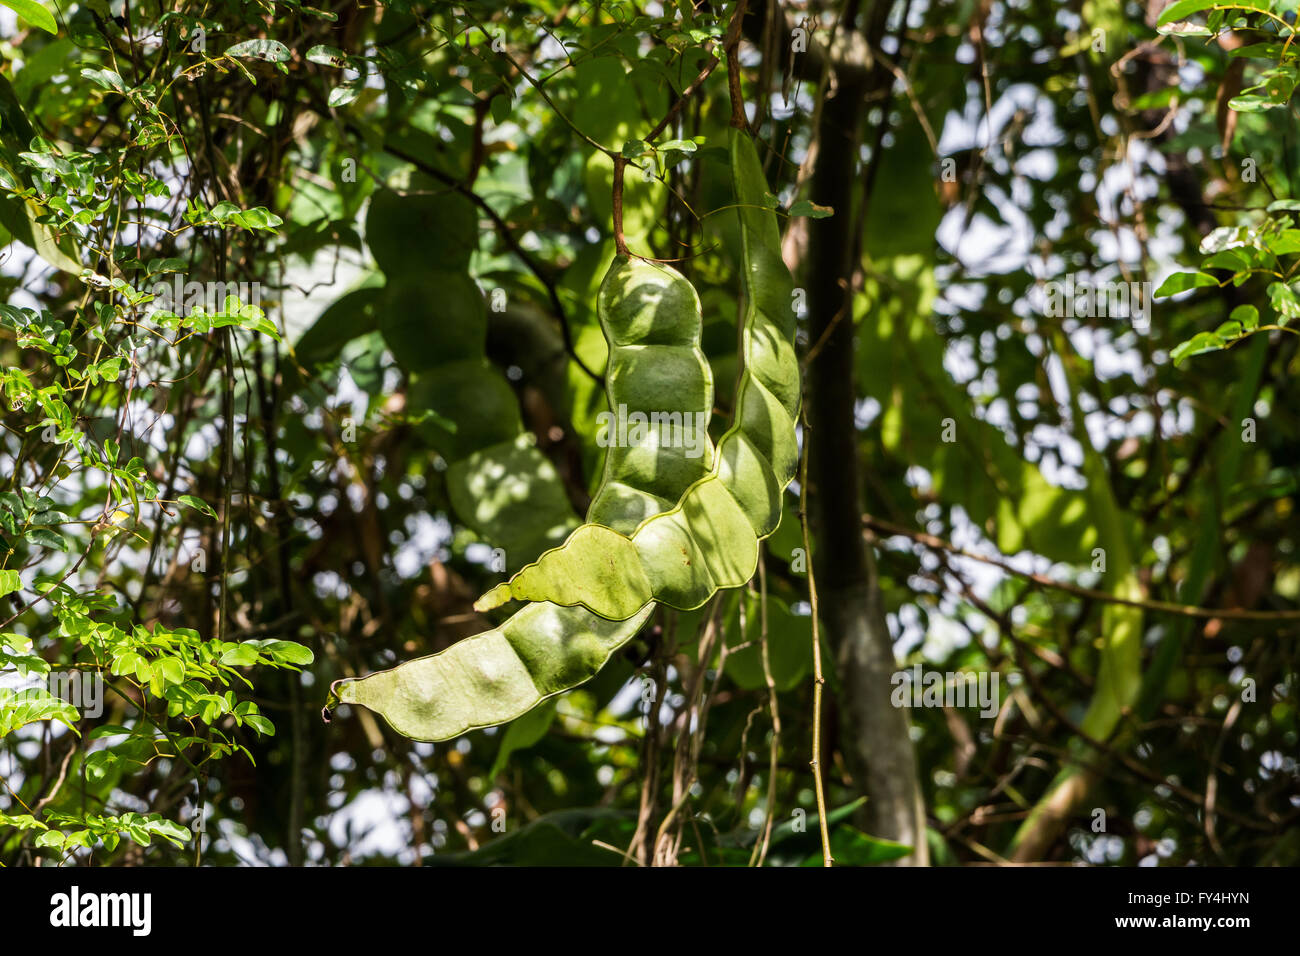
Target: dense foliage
302,352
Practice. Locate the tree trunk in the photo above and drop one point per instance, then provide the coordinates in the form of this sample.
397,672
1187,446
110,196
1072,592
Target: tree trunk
874,733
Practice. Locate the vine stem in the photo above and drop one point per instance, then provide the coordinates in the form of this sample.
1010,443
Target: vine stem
761,848
818,679
733,68
620,240
542,93
731,44
934,543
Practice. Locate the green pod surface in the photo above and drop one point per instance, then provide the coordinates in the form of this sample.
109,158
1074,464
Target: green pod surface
651,319
710,539
494,676
650,316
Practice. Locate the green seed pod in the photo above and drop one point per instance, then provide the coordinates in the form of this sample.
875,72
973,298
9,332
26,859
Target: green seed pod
494,676
651,319
710,539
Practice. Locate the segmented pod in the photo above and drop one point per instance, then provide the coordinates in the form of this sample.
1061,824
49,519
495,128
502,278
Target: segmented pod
710,539
650,316
494,676
651,319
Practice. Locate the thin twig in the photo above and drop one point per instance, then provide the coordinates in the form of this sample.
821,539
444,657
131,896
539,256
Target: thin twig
1163,607
818,679
770,817
620,241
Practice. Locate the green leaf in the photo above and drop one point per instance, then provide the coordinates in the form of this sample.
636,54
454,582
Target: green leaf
170,831
327,56
511,495
25,664
1182,281
33,13
1198,344
126,662
32,705
259,217
1224,237
789,644
1254,103
287,652
260,724
241,655
852,847
109,730
343,95
45,538
106,79
679,146
522,733
1285,302
1182,10
810,209
351,316
794,842
1287,243
1266,51
1234,260
1228,331
608,108
502,105
271,51
21,218
198,504
171,670
559,838
634,148
10,582
22,821
1247,315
